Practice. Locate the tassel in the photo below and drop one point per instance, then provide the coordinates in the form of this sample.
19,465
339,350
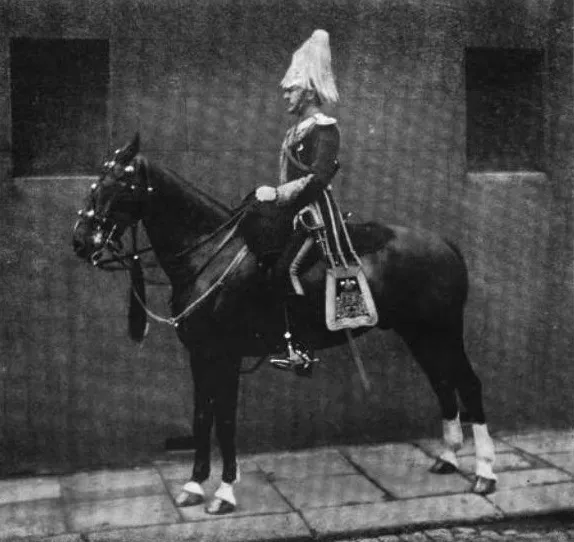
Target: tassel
137,317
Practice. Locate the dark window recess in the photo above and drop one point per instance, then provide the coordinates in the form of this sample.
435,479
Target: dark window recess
504,109
59,92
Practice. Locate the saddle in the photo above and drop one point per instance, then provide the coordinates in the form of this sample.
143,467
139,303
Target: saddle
268,230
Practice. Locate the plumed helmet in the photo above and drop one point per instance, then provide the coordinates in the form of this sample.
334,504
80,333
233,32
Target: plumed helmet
311,68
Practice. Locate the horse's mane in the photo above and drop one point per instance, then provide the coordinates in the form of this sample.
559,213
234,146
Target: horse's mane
190,190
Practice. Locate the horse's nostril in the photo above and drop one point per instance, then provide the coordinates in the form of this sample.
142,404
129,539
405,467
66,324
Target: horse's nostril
77,245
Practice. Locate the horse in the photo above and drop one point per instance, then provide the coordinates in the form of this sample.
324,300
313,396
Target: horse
419,282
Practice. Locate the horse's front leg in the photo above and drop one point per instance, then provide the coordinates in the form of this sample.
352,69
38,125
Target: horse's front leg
192,492
226,394
452,440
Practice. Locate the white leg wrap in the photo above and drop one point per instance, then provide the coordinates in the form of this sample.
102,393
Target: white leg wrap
194,488
484,451
225,493
452,439
450,457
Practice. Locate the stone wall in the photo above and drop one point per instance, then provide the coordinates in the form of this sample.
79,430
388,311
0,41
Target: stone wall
199,80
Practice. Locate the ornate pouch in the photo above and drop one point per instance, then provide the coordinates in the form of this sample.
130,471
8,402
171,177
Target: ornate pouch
348,299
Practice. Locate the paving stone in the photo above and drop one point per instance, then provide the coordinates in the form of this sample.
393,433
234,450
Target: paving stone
403,471
505,461
321,491
322,462
115,513
181,470
563,460
556,536
434,446
543,442
29,489
388,454
490,535
68,537
464,533
531,477
535,499
414,537
32,518
222,529
440,535
254,494
111,484
395,514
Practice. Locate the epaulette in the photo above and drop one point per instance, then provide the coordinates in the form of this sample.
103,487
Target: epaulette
324,120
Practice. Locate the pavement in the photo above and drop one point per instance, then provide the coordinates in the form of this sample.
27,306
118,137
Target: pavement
318,494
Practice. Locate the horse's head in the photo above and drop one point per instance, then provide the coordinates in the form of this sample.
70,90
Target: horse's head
114,203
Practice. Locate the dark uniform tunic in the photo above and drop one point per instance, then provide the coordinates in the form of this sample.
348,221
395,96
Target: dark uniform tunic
309,158
310,150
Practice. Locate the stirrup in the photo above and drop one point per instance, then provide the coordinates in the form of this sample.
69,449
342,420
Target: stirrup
295,358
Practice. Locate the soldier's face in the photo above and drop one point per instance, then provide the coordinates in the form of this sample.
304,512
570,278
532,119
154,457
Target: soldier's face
295,99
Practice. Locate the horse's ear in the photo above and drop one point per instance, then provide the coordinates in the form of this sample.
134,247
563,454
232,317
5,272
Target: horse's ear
134,147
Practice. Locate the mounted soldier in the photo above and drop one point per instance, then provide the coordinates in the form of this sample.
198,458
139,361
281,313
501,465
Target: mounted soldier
308,163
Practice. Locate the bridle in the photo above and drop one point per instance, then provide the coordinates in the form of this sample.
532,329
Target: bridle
106,227
119,260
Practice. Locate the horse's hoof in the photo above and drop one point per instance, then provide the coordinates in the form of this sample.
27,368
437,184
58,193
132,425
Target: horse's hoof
443,467
218,507
185,498
484,486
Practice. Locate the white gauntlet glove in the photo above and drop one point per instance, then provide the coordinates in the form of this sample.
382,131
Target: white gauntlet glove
266,193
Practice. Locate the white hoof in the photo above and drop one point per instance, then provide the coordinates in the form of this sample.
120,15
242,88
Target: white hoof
484,486
219,507
188,499
191,494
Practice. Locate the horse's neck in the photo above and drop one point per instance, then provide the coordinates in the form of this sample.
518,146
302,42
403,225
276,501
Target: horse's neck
178,216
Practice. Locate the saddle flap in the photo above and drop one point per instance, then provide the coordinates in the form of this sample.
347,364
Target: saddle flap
348,299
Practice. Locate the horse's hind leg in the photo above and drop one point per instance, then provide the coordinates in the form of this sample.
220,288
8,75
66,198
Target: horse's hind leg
441,354
429,349
470,392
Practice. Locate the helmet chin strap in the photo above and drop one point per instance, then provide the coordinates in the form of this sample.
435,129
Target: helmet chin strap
304,103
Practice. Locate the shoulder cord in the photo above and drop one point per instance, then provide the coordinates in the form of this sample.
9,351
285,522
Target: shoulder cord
345,232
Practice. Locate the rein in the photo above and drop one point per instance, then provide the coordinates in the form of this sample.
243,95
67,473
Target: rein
233,265
175,320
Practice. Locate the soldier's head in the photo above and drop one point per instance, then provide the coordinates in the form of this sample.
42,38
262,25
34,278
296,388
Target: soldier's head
309,80
299,100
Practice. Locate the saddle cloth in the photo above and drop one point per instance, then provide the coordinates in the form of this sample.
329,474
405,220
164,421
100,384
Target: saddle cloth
267,230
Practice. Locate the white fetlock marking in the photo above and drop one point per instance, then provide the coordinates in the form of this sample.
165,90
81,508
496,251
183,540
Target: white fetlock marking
225,493
194,488
452,434
484,451
450,457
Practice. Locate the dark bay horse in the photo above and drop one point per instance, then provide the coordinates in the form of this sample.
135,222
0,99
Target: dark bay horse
418,280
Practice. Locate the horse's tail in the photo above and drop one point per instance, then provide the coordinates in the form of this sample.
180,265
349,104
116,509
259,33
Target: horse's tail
466,283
